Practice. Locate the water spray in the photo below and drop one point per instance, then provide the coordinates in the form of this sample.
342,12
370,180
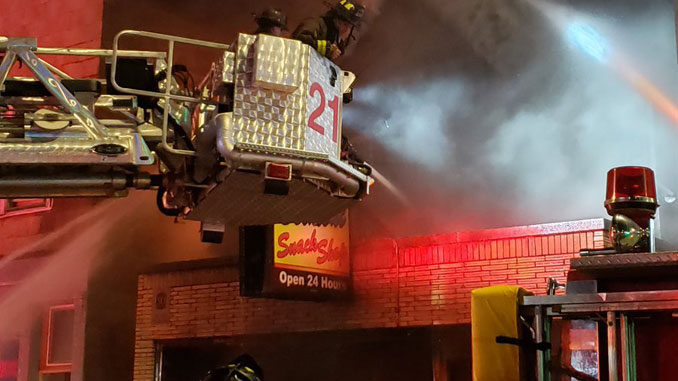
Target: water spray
64,273
84,219
391,188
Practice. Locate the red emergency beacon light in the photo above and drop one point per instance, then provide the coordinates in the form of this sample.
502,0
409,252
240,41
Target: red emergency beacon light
631,200
631,191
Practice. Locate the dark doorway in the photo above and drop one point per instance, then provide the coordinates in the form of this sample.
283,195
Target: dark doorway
364,355
191,362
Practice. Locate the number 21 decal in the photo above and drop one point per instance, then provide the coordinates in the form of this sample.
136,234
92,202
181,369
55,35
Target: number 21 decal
334,105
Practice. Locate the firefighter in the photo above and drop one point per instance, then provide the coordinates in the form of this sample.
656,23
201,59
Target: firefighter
271,21
243,368
330,34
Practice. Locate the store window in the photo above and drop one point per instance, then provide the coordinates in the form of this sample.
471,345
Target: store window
18,206
57,344
9,360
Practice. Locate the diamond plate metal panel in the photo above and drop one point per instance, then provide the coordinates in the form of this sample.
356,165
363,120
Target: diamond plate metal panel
69,150
273,100
327,102
264,119
240,200
625,261
278,63
227,68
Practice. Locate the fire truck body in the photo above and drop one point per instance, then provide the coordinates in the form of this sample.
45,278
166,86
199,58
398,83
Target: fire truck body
258,141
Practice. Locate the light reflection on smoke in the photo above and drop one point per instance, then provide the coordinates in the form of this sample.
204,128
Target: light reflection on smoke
588,40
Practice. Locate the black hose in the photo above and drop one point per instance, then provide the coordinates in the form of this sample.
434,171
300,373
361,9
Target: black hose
171,212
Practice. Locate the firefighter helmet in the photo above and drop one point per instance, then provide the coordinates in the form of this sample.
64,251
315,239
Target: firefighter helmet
243,368
349,11
272,17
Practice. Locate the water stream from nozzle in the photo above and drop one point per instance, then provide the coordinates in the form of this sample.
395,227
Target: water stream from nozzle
381,179
64,273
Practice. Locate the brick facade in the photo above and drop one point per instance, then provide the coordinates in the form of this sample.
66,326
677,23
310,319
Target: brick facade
406,282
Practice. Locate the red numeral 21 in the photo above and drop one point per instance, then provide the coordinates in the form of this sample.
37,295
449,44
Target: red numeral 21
334,105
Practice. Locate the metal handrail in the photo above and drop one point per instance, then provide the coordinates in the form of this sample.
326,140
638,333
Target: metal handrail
170,59
167,96
79,51
99,52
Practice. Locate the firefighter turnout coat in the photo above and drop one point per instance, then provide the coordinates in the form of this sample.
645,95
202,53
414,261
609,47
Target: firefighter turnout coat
320,33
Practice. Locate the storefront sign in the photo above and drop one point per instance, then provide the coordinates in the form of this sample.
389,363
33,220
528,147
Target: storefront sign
295,261
317,249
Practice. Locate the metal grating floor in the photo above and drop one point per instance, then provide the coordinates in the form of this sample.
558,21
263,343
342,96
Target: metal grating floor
240,200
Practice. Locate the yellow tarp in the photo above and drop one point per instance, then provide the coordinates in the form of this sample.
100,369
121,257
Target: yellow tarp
494,312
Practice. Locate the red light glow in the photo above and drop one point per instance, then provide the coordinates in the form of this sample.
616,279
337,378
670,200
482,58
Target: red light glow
8,369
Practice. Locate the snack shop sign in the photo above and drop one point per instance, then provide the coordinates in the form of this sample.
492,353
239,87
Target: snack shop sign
311,258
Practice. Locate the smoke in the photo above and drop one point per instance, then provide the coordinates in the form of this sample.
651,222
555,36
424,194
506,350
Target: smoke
373,6
561,153
500,108
561,150
412,119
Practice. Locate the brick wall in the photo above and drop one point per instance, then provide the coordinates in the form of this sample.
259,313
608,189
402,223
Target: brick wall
63,23
405,282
